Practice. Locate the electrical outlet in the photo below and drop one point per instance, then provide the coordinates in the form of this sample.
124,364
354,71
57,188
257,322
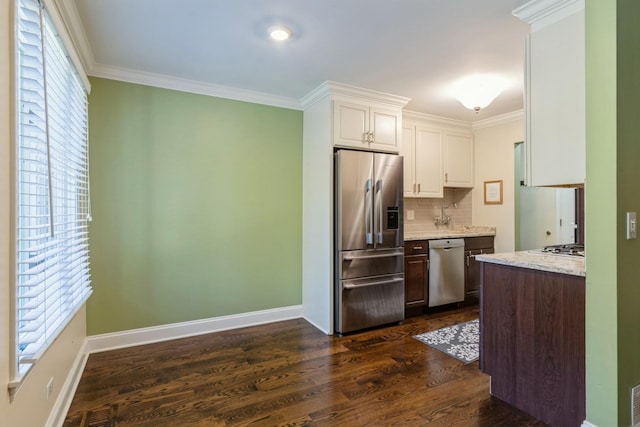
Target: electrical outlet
49,388
410,215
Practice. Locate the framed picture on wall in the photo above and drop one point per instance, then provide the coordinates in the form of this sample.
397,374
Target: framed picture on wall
493,192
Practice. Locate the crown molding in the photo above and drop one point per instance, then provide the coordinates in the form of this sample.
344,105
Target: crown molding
192,86
340,90
415,115
541,13
498,120
80,42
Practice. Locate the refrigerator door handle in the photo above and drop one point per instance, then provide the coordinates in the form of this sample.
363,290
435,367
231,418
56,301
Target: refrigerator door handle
379,202
364,285
354,258
368,221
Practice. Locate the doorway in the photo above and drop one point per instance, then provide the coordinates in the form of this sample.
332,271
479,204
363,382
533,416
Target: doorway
543,215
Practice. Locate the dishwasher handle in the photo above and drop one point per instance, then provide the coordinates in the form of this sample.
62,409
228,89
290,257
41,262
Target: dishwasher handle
446,244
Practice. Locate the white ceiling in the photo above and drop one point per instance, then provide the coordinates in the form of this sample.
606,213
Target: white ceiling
411,48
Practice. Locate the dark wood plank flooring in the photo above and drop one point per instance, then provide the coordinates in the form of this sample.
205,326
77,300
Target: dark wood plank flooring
291,374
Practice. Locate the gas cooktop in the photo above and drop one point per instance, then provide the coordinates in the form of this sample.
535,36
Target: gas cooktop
573,249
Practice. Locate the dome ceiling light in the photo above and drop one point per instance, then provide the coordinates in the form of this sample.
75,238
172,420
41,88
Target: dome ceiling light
477,91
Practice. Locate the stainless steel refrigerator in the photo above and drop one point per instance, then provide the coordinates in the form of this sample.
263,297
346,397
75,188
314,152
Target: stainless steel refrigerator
369,240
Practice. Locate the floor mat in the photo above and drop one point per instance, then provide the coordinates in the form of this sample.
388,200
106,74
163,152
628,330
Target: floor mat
461,341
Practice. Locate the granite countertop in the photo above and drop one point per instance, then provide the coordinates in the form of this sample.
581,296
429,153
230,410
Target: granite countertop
563,264
458,232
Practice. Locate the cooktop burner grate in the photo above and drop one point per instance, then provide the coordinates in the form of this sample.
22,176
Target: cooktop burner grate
574,249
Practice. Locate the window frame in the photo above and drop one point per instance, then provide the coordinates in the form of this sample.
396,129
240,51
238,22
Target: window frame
65,52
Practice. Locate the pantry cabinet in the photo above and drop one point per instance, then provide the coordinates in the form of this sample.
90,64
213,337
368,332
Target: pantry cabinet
422,152
365,126
458,159
555,142
335,115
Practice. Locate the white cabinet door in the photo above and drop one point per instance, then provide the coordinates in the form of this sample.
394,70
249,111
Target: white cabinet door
428,162
555,105
385,125
458,160
407,151
351,122
365,127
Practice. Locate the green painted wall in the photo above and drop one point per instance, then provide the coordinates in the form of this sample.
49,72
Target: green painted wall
628,75
197,206
601,214
613,154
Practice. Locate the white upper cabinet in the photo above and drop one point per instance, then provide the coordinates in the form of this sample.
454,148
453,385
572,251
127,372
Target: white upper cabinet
555,143
438,153
422,152
364,126
458,159
408,153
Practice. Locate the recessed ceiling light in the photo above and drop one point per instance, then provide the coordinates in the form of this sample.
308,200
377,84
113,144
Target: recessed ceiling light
279,33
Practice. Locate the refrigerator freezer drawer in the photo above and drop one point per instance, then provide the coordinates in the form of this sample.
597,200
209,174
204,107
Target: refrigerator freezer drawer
354,264
368,302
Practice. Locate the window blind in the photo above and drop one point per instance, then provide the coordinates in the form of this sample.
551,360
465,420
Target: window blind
52,253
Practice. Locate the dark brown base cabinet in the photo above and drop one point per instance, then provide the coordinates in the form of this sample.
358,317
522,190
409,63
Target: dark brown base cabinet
474,246
532,341
416,273
416,270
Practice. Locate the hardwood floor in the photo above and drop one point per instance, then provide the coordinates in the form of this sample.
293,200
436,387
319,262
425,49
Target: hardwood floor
291,374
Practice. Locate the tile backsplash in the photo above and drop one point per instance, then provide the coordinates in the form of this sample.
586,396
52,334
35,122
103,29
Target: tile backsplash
426,210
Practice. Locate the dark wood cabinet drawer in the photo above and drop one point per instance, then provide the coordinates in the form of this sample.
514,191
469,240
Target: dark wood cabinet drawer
416,247
481,242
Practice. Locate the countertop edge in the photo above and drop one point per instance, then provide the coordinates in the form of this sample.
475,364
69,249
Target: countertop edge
573,266
448,234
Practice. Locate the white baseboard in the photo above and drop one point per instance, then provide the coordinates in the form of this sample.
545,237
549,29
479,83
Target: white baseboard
68,390
318,326
133,337
588,424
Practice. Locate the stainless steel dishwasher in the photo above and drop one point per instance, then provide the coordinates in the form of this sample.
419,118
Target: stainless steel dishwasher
446,271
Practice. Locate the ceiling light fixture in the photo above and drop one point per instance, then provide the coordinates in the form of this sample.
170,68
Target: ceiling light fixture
478,90
279,33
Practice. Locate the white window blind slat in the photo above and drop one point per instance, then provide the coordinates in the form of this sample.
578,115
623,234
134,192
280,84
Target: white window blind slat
52,251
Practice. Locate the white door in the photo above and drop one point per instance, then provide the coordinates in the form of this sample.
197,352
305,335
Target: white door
537,218
566,216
